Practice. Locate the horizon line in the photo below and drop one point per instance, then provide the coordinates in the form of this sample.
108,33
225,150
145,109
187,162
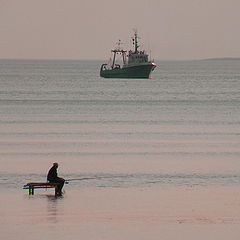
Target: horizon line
99,59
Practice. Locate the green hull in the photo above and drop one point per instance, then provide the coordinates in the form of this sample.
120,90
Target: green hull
137,71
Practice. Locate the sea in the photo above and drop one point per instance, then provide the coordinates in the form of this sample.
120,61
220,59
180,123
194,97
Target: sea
178,131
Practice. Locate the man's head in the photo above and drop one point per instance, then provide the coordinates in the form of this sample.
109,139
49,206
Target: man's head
55,165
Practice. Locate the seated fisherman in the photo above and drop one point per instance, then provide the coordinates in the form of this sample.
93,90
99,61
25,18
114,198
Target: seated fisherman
52,177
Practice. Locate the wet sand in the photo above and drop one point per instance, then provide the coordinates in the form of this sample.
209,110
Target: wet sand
123,213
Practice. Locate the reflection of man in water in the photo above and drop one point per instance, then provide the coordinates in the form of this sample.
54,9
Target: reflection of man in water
52,177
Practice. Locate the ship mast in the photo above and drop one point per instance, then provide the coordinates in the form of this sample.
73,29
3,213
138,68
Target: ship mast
135,42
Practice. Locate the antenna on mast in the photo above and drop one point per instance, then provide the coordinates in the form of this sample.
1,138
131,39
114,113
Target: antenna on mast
135,41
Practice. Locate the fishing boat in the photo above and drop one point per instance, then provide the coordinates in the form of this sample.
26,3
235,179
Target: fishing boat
134,64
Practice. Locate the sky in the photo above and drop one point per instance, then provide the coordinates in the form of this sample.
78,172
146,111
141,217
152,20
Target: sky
89,29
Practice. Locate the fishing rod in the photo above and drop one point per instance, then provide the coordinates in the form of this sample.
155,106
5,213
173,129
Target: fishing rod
88,178
80,179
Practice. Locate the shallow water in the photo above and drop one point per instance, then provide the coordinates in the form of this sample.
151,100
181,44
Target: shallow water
129,213
139,140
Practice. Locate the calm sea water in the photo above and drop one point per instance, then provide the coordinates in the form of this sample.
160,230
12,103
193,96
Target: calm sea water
163,153
181,127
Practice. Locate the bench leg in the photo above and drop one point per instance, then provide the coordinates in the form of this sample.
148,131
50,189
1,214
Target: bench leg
31,190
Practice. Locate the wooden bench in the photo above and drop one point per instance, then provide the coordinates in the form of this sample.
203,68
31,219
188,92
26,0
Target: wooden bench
33,185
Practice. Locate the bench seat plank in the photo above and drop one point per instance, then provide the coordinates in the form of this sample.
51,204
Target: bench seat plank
40,184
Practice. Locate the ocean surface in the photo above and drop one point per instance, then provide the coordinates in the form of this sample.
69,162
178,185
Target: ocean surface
180,129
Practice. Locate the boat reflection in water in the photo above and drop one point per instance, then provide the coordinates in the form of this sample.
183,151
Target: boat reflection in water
135,64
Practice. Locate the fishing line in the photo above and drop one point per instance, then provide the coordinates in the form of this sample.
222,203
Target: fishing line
89,178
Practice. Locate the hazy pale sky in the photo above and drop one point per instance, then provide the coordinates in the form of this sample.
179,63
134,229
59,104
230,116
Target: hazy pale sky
88,29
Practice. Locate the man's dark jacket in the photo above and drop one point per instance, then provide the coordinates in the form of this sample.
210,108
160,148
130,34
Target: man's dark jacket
52,174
